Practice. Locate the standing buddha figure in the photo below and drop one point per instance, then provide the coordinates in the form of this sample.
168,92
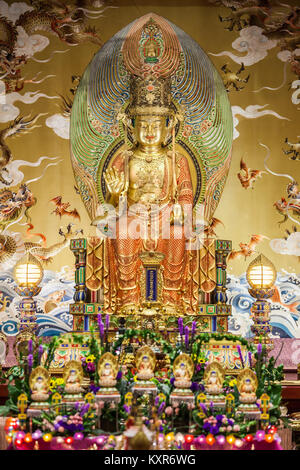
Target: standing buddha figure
150,184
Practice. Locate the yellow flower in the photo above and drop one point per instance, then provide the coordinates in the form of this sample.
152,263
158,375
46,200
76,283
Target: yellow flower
201,360
232,383
90,358
52,384
60,381
135,378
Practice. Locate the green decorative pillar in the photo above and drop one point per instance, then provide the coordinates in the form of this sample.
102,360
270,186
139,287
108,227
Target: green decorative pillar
78,246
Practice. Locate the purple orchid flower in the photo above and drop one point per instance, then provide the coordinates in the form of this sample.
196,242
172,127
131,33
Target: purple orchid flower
99,319
259,349
90,367
250,358
30,361
93,388
40,352
240,354
156,401
101,328
194,326
30,346
203,408
84,409
107,322
195,387
172,380
180,325
186,336
119,375
127,408
161,407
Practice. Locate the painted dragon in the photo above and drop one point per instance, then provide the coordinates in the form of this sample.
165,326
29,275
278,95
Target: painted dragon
12,248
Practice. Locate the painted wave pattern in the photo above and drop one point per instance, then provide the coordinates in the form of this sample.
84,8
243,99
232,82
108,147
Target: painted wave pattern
285,312
55,322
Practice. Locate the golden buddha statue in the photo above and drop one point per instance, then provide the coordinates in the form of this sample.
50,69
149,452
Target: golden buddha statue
107,370
247,385
213,379
145,364
39,384
73,378
150,185
183,371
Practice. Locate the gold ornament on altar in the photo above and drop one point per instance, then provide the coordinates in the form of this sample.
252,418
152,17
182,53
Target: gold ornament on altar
39,382
73,377
107,370
247,385
183,369
145,363
213,378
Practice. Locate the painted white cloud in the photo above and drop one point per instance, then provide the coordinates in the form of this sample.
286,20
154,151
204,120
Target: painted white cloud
14,11
60,125
29,45
290,246
252,111
253,43
296,94
287,55
8,110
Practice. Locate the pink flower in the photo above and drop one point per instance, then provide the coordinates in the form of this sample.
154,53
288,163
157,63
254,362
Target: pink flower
229,428
236,428
169,410
61,429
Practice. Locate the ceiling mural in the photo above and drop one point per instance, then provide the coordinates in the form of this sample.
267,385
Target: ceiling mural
46,46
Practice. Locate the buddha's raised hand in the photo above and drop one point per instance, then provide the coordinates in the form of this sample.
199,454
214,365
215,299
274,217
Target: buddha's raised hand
114,180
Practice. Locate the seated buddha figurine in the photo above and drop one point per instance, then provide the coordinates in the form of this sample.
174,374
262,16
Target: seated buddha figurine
247,385
145,370
73,377
145,364
107,370
39,384
183,371
149,182
213,380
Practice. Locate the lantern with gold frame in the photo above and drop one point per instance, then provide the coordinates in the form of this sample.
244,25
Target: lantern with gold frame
261,276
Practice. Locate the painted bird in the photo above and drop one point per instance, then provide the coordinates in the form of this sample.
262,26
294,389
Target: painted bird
247,176
62,208
247,249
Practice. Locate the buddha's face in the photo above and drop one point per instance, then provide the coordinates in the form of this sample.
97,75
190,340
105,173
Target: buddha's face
150,130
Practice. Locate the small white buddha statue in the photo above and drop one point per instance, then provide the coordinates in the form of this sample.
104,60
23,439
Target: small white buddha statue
182,379
73,384
247,392
213,385
40,389
107,378
145,370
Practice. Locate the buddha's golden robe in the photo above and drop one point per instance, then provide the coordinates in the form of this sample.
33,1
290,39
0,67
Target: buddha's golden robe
151,182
